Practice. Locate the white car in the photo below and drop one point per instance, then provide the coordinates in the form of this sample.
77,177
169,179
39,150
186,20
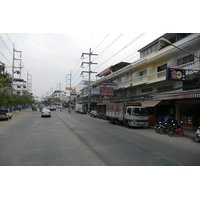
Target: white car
45,112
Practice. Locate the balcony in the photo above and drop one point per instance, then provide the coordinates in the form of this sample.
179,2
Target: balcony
152,78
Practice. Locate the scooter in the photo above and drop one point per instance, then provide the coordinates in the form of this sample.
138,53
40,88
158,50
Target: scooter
175,129
197,138
162,127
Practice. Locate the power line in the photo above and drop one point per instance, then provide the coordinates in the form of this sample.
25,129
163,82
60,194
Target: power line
122,49
101,52
9,38
5,45
101,42
5,58
109,45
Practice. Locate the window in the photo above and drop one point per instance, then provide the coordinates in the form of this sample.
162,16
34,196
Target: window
129,111
18,86
143,73
140,112
185,59
162,67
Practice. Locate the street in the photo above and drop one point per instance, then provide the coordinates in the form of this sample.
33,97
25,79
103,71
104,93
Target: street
71,139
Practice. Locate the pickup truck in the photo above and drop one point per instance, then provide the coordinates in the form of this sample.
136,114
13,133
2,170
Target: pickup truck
5,114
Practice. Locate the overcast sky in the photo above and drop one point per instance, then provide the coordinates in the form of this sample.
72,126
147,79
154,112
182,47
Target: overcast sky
50,57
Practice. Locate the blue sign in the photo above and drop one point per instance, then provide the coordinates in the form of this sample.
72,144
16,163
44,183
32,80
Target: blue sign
109,83
176,74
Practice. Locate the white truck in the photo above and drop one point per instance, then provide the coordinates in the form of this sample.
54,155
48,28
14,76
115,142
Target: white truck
5,114
130,114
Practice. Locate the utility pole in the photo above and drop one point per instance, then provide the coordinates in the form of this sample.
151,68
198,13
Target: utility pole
69,85
90,54
29,83
13,66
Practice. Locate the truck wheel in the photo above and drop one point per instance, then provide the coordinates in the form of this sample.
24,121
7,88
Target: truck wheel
127,124
111,121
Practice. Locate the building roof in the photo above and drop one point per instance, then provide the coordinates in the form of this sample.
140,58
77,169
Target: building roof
113,68
154,41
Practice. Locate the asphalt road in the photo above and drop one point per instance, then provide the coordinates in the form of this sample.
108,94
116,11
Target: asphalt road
71,139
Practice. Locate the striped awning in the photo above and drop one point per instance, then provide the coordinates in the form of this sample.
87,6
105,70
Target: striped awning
150,103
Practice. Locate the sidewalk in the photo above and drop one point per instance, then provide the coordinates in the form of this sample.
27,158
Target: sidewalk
190,133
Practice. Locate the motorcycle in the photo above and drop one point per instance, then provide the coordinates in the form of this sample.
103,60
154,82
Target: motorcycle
197,138
162,127
175,129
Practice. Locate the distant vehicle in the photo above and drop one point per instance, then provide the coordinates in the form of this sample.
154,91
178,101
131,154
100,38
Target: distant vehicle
81,111
94,113
5,114
77,110
51,108
45,112
18,107
60,107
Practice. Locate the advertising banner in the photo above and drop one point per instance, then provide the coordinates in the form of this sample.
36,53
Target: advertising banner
176,74
95,91
107,91
109,83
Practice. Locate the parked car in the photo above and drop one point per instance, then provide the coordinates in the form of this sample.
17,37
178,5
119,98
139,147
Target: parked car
45,112
94,113
82,111
77,110
5,114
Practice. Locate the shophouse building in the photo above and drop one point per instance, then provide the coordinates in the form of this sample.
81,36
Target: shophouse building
166,79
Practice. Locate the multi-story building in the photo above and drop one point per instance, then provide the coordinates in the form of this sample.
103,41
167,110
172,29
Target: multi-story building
59,95
19,86
165,79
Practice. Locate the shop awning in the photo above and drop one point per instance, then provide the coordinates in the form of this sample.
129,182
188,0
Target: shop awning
150,103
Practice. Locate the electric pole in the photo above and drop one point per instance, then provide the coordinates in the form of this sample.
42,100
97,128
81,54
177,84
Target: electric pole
13,66
90,54
69,85
29,83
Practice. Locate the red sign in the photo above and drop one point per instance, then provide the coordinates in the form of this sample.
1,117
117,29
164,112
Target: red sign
106,91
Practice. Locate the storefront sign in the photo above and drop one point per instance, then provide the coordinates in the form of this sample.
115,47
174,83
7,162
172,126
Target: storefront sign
176,74
68,88
107,91
2,79
109,83
95,91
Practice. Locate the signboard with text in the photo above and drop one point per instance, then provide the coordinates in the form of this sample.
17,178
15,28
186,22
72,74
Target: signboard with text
109,83
95,91
107,91
176,74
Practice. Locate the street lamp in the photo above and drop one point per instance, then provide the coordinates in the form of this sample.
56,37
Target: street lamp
167,41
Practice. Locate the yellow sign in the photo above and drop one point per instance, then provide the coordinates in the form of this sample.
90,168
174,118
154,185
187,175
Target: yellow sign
2,79
68,88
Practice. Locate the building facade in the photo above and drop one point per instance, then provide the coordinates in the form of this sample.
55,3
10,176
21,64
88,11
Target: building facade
19,86
166,79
